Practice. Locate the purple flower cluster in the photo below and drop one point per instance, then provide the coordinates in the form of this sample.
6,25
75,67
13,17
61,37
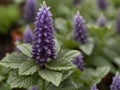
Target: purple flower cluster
102,4
94,87
101,21
115,83
76,2
43,46
79,62
30,11
80,31
34,88
28,35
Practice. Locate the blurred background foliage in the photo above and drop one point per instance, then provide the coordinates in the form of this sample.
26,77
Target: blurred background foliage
103,47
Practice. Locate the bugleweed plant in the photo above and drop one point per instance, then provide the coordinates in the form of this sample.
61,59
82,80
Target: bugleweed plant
43,63
61,58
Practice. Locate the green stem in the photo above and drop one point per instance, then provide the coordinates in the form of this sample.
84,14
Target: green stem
43,86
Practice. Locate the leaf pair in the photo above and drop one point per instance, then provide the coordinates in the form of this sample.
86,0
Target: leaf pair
89,76
26,67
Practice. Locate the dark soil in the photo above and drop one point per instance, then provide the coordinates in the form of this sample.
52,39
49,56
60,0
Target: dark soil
5,45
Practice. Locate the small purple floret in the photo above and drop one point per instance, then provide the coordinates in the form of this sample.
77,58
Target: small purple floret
115,83
101,21
79,62
28,35
17,41
34,88
94,87
80,31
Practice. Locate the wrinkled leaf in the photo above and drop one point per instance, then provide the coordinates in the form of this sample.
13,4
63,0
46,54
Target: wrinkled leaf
88,47
25,49
16,81
51,76
65,85
63,61
13,60
28,68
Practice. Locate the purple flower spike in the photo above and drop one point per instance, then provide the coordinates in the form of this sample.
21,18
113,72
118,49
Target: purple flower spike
43,46
76,2
115,83
102,4
28,35
80,31
118,24
30,11
94,87
79,62
101,21
17,41
34,88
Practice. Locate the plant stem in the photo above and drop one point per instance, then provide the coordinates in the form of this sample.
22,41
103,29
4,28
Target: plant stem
43,86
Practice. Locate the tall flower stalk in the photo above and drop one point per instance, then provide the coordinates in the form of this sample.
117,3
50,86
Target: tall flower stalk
28,35
43,47
30,11
80,31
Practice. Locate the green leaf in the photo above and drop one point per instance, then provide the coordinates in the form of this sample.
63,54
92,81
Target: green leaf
16,81
66,74
4,70
28,68
60,65
117,61
100,61
69,55
25,49
13,60
81,78
60,24
90,76
70,43
100,73
88,47
51,76
65,85
2,78
57,46
63,61
4,86
100,33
